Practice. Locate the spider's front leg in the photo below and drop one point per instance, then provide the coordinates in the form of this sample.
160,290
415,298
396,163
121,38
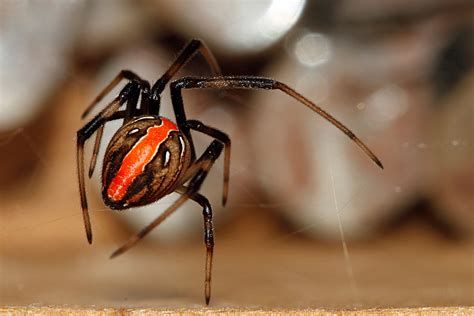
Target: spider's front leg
246,82
85,133
188,52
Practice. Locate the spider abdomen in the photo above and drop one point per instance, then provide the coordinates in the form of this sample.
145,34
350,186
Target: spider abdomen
144,162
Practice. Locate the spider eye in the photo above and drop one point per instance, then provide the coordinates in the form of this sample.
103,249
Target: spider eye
133,131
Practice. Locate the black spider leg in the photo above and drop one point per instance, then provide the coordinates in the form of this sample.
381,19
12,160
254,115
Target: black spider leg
85,133
208,237
222,137
204,164
245,82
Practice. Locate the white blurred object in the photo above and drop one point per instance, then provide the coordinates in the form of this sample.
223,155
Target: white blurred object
316,171
150,64
35,39
312,49
232,26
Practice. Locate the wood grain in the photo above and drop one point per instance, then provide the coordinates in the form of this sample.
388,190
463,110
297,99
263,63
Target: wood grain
49,310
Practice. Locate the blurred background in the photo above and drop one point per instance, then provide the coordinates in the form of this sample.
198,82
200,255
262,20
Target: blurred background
310,221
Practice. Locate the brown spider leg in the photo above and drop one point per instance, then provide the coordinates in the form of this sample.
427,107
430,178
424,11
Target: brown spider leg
208,237
95,152
124,74
127,116
217,134
245,82
84,134
205,162
186,54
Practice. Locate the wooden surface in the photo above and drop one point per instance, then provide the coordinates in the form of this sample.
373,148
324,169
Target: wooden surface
276,272
47,310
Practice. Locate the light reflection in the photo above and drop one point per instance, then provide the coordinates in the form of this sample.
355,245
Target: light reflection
234,26
386,105
252,26
280,17
312,49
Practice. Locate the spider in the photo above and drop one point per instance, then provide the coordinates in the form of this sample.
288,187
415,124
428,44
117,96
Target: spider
150,156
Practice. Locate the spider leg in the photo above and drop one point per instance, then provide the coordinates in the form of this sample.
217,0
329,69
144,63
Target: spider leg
95,152
127,116
208,237
205,163
132,104
222,137
188,52
124,74
84,134
245,82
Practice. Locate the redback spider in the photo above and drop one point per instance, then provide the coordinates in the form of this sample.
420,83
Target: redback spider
150,157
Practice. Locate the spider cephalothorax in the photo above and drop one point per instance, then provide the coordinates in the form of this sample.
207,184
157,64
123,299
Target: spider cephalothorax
150,156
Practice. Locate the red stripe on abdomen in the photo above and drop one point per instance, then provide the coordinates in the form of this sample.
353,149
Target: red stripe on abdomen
138,157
